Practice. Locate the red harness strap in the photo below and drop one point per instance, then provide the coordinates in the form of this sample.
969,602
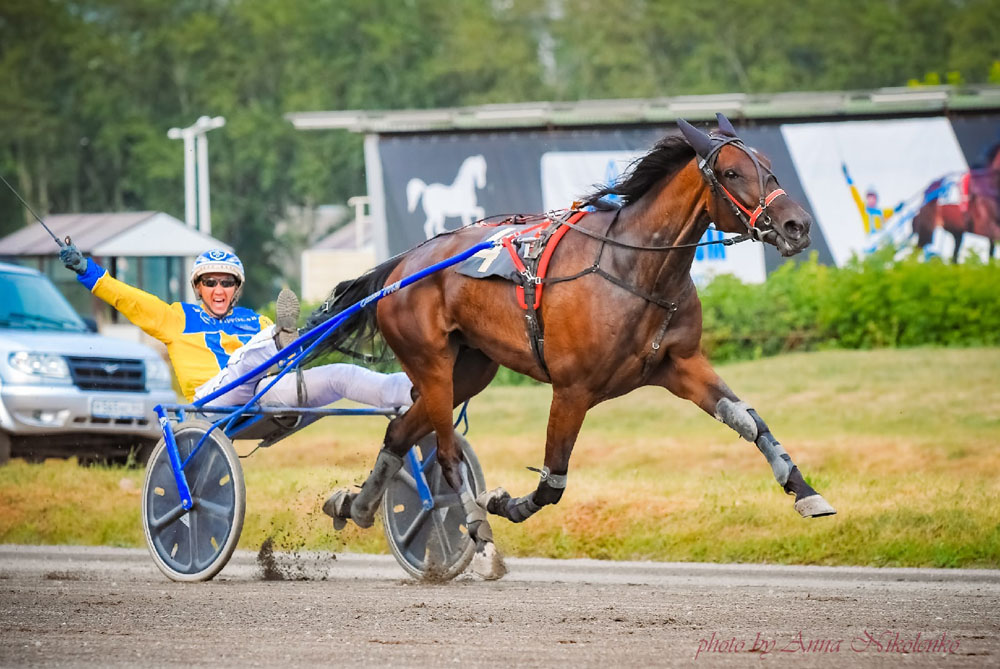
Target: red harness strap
543,263
508,243
760,208
529,290
550,247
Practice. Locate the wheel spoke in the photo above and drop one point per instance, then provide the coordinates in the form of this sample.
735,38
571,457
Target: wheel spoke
204,547
205,468
407,536
192,537
214,509
167,518
447,499
442,532
434,479
407,479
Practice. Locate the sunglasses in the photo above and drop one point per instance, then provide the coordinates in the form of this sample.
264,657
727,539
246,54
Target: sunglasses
210,282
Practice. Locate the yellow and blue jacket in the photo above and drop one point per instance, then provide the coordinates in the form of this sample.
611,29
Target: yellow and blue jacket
199,344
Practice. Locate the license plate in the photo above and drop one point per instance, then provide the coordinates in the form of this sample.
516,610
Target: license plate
116,409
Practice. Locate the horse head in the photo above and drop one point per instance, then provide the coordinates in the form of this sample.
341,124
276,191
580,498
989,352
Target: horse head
745,196
477,166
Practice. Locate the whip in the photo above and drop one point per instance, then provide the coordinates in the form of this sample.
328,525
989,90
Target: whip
37,217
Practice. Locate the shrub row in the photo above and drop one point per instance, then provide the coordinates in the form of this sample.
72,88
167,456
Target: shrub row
873,302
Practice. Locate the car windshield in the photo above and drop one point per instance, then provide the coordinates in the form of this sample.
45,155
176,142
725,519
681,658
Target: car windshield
30,301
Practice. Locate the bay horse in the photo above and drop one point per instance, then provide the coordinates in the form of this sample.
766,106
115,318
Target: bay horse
979,216
630,318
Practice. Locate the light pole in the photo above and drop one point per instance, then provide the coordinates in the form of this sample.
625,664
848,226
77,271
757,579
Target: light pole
197,210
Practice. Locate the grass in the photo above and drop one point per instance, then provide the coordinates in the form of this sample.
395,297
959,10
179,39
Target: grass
902,442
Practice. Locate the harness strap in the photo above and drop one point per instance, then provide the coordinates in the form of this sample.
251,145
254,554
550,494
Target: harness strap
550,247
728,241
654,347
753,216
666,304
529,292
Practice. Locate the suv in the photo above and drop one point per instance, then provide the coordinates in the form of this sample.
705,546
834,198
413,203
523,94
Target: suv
65,390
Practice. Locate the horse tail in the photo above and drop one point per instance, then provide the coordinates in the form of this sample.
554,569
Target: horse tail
356,336
414,189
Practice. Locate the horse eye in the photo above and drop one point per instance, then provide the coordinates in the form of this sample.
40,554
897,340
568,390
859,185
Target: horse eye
731,174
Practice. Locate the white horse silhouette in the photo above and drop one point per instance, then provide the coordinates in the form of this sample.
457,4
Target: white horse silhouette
458,199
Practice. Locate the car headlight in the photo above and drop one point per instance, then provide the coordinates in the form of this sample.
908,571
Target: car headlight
40,364
158,374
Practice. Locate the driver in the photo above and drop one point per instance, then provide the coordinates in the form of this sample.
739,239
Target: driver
215,342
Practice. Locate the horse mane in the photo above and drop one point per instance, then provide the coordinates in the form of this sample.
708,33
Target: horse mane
666,157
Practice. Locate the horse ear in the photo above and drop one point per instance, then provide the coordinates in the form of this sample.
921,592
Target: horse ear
701,142
725,127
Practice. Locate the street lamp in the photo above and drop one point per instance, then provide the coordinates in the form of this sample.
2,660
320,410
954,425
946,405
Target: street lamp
197,211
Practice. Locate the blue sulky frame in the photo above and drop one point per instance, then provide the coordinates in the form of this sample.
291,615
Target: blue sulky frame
238,420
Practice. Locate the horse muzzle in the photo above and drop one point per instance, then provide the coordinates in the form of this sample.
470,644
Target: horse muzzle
789,237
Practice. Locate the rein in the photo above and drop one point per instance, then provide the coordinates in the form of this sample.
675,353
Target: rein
728,241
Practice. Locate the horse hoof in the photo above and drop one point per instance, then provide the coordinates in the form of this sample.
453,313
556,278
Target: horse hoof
338,507
492,497
363,518
487,563
814,506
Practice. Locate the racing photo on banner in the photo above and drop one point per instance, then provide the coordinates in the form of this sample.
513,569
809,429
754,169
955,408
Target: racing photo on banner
877,182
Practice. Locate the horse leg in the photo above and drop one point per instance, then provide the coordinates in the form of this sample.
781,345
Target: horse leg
432,407
438,394
694,379
444,383
565,418
958,234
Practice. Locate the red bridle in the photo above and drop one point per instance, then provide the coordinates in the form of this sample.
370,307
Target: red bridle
742,212
755,214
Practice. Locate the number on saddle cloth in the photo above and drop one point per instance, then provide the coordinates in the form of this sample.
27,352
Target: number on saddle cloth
526,237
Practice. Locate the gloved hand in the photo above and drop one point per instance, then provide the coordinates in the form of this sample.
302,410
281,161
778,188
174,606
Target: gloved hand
73,259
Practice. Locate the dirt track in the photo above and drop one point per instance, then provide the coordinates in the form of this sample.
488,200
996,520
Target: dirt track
110,607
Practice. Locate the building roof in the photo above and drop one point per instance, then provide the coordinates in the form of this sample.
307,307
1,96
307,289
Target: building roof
344,238
884,101
136,233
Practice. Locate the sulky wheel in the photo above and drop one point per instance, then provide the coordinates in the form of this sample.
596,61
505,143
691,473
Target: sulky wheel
194,545
430,543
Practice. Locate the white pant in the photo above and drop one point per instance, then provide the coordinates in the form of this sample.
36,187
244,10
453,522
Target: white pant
323,385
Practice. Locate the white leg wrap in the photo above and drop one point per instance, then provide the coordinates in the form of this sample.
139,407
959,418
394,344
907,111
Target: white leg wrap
473,511
777,457
737,416
475,517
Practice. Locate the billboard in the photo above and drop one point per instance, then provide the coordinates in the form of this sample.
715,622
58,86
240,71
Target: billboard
866,182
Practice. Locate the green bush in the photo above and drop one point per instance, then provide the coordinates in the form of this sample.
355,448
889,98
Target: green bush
872,302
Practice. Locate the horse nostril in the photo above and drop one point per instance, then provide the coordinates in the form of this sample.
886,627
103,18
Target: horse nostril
793,229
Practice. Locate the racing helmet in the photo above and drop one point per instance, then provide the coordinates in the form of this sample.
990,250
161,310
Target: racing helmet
218,260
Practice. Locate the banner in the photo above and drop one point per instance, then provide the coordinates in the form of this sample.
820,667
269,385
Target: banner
908,181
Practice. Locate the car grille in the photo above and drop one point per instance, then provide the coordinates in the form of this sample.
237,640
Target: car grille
108,374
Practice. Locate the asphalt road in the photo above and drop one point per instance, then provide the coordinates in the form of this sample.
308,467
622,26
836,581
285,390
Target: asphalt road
71,606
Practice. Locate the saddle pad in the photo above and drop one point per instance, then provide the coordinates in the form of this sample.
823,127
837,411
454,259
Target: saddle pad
495,261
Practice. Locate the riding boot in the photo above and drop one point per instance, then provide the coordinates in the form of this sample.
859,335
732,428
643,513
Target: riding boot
286,318
364,505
